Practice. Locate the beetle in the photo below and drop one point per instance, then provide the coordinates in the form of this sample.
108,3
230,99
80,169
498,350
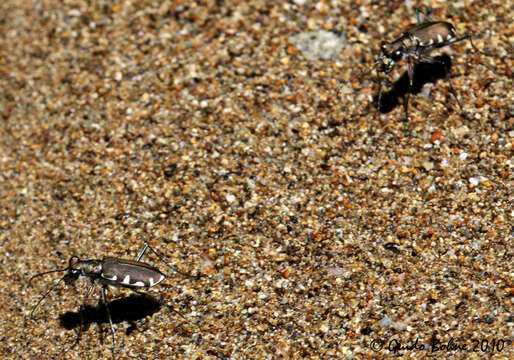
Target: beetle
110,271
416,45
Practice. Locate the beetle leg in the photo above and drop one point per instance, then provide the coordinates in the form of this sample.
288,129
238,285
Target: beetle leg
470,37
429,60
104,293
142,252
379,100
452,90
406,106
432,60
156,253
88,290
466,37
410,72
425,16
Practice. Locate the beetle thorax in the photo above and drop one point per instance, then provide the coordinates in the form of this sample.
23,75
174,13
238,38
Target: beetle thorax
89,268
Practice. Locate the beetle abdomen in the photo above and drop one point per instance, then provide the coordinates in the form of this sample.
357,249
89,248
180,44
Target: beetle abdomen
128,273
432,34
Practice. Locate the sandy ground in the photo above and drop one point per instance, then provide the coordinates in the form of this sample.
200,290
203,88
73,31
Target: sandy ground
241,139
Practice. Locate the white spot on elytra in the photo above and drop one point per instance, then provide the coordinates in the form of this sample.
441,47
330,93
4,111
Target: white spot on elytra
113,278
126,281
431,42
152,283
449,37
440,38
139,283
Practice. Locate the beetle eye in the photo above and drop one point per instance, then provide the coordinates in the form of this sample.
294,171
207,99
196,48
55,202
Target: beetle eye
397,55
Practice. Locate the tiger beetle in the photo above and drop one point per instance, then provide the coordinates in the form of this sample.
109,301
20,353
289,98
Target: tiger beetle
415,45
110,271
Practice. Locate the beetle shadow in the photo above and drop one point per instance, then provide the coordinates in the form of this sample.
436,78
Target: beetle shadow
131,308
423,73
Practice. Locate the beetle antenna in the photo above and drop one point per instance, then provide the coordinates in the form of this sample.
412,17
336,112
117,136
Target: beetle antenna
46,293
45,273
373,67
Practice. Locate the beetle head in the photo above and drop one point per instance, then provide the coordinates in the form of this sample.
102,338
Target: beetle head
393,51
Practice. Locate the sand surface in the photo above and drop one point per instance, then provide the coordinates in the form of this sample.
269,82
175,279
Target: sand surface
241,139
